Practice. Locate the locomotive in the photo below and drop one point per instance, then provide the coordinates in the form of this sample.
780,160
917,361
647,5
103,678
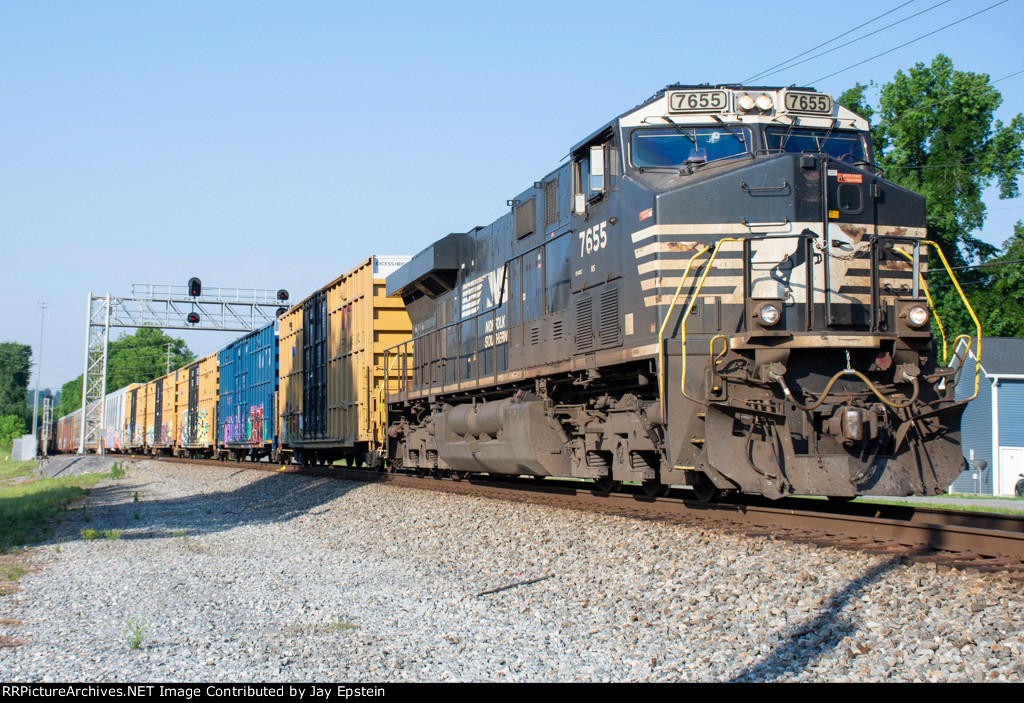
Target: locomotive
717,289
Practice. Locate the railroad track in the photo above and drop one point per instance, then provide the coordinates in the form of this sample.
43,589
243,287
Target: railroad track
957,539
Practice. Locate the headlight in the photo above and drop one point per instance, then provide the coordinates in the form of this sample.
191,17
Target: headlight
768,314
746,102
917,315
764,102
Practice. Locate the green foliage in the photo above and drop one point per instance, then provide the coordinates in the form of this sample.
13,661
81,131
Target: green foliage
113,534
25,508
135,631
70,397
131,358
11,427
117,471
15,365
936,135
89,534
1002,293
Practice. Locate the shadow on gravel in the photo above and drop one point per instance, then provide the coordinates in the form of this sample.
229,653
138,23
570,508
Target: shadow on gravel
805,642
272,499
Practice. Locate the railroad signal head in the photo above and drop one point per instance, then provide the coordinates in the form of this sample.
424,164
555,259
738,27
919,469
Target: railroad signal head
281,311
195,287
282,295
193,318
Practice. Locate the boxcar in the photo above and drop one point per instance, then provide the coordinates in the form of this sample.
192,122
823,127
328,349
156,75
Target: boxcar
135,417
165,413
248,388
116,438
197,407
331,356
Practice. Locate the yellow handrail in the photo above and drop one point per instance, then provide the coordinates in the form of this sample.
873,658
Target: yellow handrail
977,324
661,332
931,304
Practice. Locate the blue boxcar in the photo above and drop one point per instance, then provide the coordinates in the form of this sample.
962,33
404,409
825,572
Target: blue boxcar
248,387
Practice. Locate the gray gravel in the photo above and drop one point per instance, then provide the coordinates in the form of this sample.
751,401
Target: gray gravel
237,575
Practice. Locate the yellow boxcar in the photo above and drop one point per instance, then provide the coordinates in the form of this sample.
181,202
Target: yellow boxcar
135,418
149,422
166,413
331,356
196,403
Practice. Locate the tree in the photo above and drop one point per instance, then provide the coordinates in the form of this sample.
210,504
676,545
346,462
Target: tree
15,366
936,135
135,358
1000,296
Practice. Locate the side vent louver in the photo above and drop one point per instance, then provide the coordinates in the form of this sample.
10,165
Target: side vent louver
609,333
585,324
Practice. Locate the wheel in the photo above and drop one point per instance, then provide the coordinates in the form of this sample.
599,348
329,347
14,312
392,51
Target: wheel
654,488
459,475
350,461
707,492
606,485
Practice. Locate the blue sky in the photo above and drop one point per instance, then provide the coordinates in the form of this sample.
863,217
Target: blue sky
272,144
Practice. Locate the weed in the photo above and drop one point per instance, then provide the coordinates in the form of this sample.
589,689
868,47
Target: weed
178,533
12,572
88,533
208,511
86,517
112,534
58,547
135,631
135,497
117,471
136,514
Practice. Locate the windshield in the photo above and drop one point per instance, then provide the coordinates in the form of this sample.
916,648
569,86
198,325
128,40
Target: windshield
673,148
833,143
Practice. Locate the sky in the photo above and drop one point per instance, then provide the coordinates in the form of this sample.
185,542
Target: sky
275,145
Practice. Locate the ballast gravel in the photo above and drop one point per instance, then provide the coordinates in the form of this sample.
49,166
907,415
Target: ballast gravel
228,574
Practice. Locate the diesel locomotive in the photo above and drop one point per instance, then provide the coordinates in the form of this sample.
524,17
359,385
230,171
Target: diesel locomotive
717,289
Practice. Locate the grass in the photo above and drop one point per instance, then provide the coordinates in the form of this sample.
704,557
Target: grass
135,632
88,534
117,471
26,508
112,534
15,469
946,506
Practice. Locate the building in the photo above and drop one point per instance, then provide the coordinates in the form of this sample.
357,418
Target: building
993,424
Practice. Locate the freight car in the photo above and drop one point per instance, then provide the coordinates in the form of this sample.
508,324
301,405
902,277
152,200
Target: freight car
718,289
248,389
331,363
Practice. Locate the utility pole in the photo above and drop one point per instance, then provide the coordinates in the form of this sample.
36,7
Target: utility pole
168,359
43,307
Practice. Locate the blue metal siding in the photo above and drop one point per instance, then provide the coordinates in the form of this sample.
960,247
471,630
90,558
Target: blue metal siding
1011,413
976,430
248,383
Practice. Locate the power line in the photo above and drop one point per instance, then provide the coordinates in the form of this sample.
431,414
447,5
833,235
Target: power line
785,67
908,43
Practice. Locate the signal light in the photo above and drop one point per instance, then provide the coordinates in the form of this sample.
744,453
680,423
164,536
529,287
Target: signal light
193,318
282,295
281,311
195,287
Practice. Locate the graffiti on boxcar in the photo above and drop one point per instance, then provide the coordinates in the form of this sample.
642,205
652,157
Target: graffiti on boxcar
254,431
231,429
203,427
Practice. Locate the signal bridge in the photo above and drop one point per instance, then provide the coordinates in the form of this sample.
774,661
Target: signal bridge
167,307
